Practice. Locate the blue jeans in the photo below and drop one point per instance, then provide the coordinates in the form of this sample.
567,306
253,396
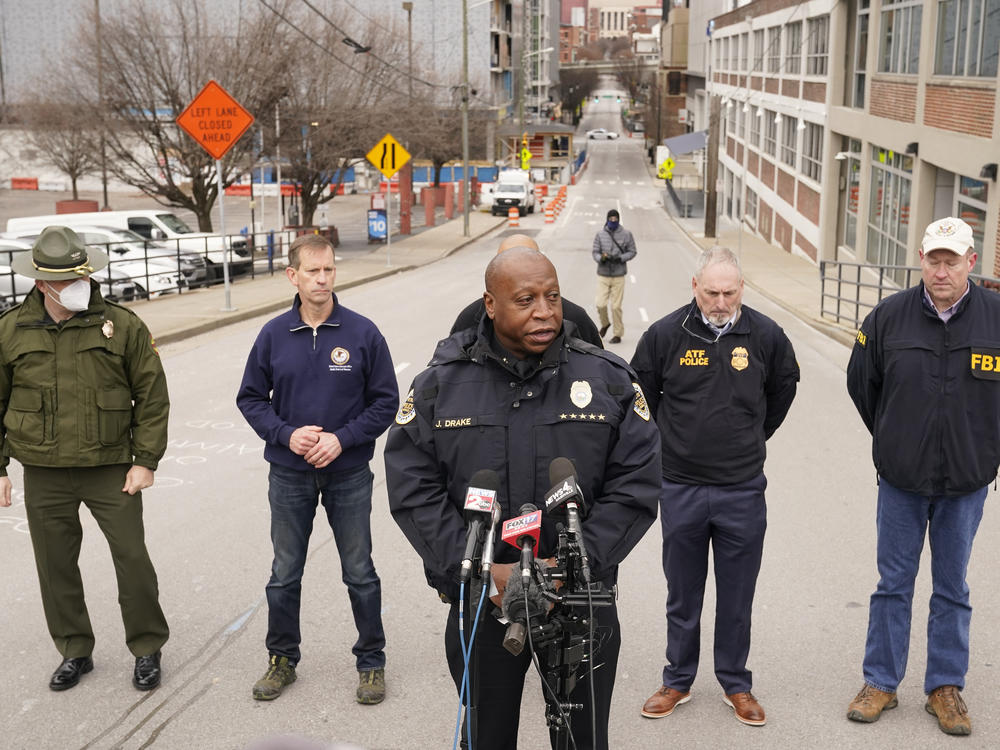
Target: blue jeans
347,498
902,520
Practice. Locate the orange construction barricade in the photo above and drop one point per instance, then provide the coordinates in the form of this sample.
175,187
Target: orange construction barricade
513,216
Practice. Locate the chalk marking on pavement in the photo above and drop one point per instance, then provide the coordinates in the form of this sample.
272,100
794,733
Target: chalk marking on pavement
241,620
401,366
643,314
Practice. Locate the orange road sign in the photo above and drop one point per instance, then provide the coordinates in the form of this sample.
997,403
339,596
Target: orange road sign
388,156
215,120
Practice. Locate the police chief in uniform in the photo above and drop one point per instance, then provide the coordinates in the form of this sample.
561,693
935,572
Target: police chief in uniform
925,377
510,397
720,378
84,405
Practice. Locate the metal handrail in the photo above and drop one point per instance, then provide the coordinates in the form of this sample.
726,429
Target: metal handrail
866,285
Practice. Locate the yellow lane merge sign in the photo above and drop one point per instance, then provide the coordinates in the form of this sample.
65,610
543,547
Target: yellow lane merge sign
388,156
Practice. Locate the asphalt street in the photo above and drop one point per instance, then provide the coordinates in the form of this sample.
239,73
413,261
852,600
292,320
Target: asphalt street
207,530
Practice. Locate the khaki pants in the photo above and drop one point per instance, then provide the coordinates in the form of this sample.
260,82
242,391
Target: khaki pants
52,498
611,289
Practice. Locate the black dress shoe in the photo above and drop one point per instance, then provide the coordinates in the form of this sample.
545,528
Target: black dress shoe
68,673
615,340
604,330
147,672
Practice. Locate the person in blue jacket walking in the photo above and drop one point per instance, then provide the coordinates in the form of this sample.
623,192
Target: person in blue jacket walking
319,388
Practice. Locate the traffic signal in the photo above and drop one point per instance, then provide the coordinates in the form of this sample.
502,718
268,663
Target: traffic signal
597,98
619,100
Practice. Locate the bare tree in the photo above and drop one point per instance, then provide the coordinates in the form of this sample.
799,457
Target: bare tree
63,136
575,85
155,59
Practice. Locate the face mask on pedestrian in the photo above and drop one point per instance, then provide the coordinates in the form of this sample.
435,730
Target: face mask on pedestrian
612,225
74,297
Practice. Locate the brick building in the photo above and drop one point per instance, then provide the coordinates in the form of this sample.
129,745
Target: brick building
852,163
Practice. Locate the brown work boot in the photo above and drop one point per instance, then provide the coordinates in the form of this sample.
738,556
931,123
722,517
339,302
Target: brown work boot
663,702
869,704
746,708
946,703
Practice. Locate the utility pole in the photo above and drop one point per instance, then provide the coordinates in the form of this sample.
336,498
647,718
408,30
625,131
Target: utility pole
408,7
466,196
100,103
712,166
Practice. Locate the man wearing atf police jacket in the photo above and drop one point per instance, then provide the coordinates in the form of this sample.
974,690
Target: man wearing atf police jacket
720,378
510,397
924,376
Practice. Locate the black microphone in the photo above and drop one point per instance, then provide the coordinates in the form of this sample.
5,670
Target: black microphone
480,504
566,495
518,613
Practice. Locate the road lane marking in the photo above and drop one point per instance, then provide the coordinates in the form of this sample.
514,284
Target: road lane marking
631,277
643,315
401,366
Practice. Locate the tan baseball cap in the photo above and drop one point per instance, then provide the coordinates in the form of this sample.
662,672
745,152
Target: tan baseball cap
948,234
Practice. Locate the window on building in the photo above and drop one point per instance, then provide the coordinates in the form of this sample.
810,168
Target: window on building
852,150
754,126
889,209
899,46
789,136
741,119
770,132
758,50
818,46
718,55
752,206
725,54
774,49
970,206
861,55
812,151
968,38
730,114
744,45
793,48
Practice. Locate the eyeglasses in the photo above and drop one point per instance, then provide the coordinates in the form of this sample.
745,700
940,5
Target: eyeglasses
684,326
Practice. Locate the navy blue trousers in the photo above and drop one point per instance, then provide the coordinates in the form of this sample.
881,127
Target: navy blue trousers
733,519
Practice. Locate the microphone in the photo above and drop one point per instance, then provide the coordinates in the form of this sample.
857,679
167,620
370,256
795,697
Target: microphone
566,494
518,613
480,504
488,544
522,532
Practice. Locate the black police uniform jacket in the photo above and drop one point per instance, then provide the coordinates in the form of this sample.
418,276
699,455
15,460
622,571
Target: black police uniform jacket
471,411
929,391
716,399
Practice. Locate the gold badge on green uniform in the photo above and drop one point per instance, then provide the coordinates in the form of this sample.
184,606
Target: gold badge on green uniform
108,329
580,393
741,358
639,406
406,411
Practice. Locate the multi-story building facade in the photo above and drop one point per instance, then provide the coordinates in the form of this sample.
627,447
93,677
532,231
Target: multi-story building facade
853,163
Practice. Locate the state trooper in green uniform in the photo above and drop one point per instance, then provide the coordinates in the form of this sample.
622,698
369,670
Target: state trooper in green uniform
83,402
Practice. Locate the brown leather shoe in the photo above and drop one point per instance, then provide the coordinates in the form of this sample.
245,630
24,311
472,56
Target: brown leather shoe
946,703
869,704
746,708
663,702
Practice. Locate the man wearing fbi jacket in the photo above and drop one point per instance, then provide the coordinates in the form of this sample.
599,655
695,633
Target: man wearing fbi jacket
925,377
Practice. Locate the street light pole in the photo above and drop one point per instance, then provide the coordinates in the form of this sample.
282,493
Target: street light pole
466,193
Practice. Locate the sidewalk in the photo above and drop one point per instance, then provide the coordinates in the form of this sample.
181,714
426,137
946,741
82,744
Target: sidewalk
176,317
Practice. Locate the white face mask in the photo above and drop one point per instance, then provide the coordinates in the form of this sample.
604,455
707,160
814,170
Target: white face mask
75,297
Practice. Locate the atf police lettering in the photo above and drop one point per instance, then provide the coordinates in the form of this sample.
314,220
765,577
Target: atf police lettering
453,422
985,364
693,357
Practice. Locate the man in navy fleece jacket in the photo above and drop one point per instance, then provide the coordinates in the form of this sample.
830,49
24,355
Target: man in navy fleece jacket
319,388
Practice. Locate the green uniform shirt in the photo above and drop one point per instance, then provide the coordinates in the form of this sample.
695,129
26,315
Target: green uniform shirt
87,392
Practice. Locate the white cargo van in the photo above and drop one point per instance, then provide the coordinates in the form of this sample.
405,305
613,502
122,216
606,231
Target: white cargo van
156,224
513,188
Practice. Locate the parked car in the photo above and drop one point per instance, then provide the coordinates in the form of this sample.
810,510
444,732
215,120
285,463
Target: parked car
513,189
124,244
115,285
601,133
156,225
